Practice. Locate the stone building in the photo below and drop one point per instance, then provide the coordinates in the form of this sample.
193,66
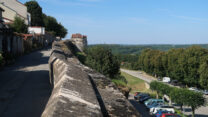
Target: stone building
80,41
13,8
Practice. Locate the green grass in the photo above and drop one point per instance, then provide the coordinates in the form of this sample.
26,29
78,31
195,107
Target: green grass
119,82
135,84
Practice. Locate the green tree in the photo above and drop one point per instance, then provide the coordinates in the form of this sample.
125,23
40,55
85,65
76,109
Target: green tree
61,31
19,25
53,26
203,71
102,60
155,86
177,96
36,13
194,100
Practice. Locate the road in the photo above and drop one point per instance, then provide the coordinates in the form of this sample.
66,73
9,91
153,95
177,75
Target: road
25,87
140,75
200,112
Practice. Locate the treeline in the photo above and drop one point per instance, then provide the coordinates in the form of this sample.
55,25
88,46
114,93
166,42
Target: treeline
188,66
38,18
183,97
137,49
128,61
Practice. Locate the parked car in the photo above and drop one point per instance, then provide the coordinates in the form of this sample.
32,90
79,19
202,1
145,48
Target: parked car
136,94
181,85
192,89
205,92
159,113
163,108
174,82
144,98
154,104
169,115
166,79
140,95
148,102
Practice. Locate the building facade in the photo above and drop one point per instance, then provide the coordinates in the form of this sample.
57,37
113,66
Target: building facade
14,8
36,30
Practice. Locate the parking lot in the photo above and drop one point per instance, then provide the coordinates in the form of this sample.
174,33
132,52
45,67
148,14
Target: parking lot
140,107
200,112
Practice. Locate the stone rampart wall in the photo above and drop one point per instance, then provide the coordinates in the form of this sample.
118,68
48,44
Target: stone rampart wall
79,91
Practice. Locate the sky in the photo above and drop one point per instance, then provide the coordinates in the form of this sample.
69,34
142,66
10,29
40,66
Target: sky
132,21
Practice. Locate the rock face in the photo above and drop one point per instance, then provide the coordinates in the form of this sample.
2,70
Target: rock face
80,91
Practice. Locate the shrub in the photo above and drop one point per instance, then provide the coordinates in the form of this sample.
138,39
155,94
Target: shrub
19,25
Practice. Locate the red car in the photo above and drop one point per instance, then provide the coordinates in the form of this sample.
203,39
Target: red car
169,115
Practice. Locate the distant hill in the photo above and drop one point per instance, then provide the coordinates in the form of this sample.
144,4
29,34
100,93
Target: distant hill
136,49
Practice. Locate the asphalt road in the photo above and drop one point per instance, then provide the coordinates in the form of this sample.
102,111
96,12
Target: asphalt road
25,87
200,112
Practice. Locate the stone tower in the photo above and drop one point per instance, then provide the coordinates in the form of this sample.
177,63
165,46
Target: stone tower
79,40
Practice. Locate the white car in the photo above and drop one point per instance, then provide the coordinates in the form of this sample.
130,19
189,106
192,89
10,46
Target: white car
194,89
166,80
163,108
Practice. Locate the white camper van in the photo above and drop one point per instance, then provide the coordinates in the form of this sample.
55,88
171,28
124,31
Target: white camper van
166,79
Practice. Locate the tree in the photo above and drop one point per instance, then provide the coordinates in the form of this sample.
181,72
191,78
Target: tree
194,100
53,26
177,96
36,13
19,25
203,71
102,60
61,31
154,85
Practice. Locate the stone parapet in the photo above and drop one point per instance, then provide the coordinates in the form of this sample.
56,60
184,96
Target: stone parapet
79,91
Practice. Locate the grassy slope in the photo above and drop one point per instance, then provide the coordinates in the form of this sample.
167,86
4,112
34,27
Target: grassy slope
134,83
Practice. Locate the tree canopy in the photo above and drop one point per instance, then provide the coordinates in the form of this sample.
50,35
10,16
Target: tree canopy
179,95
36,13
53,26
188,66
38,18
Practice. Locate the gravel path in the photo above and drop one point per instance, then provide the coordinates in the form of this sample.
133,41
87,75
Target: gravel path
25,87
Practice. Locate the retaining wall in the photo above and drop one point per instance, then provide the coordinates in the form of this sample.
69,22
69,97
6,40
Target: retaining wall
12,43
80,91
